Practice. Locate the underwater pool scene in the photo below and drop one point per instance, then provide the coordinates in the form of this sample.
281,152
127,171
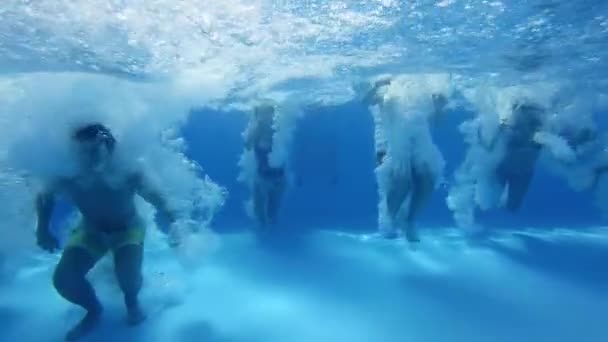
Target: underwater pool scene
304,170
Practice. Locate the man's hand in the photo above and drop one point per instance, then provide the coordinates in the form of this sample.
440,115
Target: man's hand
45,203
46,240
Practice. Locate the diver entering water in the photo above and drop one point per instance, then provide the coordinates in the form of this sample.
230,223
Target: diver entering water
269,182
516,168
104,193
407,193
595,150
408,187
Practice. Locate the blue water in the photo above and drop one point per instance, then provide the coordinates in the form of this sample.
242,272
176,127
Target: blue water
176,81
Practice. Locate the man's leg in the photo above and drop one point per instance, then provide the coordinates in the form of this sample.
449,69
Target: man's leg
400,188
69,280
518,188
516,171
127,264
520,177
260,195
274,200
424,186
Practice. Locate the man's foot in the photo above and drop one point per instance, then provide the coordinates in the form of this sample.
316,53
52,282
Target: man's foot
412,236
85,326
390,235
135,316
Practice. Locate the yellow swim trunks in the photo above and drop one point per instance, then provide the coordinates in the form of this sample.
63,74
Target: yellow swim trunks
99,243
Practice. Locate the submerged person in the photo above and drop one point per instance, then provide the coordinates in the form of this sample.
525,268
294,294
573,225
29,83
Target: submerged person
520,151
589,153
504,147
598,172
269,180
408,174
574,152
104,192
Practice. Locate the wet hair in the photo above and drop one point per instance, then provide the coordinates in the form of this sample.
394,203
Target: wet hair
95,132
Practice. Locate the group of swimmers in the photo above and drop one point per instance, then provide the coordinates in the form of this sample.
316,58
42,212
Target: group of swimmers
500,162
408,169
497,172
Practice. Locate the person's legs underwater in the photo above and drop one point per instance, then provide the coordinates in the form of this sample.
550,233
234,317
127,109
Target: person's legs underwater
518,173
424,184
127,265
70,282
504,176
397,194
518,188
274,197
260,202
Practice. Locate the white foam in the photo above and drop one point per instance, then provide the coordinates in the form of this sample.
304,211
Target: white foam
567,156
475,185
42,109
402,129
235,47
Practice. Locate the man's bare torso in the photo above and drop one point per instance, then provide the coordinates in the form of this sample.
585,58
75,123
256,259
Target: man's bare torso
105,200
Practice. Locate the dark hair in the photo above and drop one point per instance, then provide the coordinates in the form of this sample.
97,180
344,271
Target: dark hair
95,131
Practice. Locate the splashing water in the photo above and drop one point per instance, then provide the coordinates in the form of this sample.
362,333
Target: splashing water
142,66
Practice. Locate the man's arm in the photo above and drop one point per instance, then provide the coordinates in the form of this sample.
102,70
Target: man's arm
151,195
45,202
372,97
